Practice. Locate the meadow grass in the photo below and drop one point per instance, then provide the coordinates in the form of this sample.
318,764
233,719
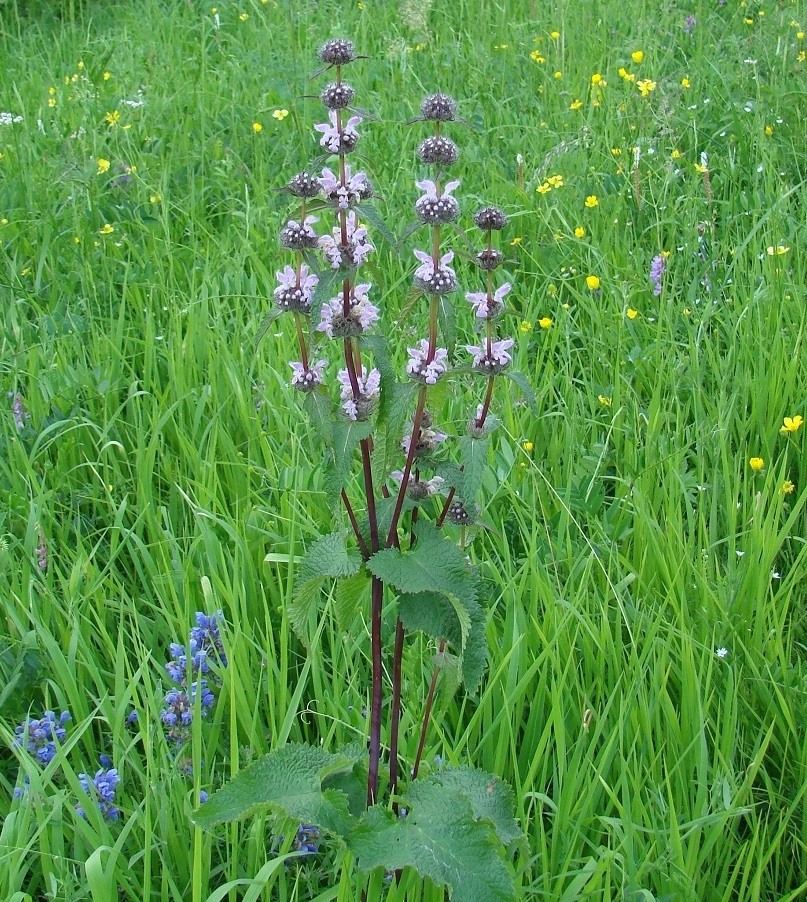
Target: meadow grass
161,455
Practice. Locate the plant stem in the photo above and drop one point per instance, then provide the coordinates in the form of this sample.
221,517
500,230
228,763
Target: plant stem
375,704
395,713
427,713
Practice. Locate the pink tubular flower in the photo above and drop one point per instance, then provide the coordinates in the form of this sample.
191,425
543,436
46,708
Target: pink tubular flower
434,207
494,362
307,379
296,289
352,254
362,315
487,308
335,141
435,280
360,407
356,188
297,236
419,369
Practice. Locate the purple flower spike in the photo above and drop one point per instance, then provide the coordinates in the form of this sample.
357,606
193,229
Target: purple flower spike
658,267
434,207
435,280
361,317
430,372
356,188
102,788
307,379
362,406
485,307
351,254
295,292
494,362
335,141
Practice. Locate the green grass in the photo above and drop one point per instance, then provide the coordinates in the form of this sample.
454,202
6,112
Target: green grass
164,457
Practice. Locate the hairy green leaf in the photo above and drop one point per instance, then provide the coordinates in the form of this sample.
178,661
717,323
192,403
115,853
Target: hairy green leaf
474,455
490,798
433,614
328,556
350,592
287,781
441,839
346,436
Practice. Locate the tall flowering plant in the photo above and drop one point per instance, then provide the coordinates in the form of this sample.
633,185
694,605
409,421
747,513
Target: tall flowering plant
397,543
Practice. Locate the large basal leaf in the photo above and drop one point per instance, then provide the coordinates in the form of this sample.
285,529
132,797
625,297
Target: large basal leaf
432,614
287,781
440,838
490,798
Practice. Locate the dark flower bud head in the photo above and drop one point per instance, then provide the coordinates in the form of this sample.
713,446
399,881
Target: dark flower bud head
439,108
337,52
490,218
337,96
303,185
458,514
489,259
438,151
299,236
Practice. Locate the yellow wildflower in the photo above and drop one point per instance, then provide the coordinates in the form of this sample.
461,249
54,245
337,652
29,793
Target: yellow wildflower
280,114
558,74
580,232
593,282
536,56
556,181
106,76
676,154
257,127
545,322
107,229
554,35
787,487
604,400
777,251
112,118
769,130
103,165
756,464
685,83
525,326
592,201
645,86
527,446
792,424
243,17
516,241
575,104
596,78
637,56
631,313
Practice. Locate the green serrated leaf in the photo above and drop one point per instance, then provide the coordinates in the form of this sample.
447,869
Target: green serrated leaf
288,781
474,455
526,389
318,406
328,556
490,798
433,614
434,564
299,610
441,839
350,592
346,436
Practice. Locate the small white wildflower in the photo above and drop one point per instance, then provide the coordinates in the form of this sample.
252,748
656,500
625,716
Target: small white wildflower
722,652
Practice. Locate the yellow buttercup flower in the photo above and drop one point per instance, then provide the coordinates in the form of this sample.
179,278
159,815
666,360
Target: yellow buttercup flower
637,56
280,114
558,74
792,424
768,130
631,313
604,400
243,17
596,78
575,104
787,487
536,56
103,165
592,201
544,188
545,322
556,181
516,241
685,83
646,85
777,251
112,118
528,446
257,127
525,326
554,35
593,282
676,154
107,229
756,464
580,232
106,76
